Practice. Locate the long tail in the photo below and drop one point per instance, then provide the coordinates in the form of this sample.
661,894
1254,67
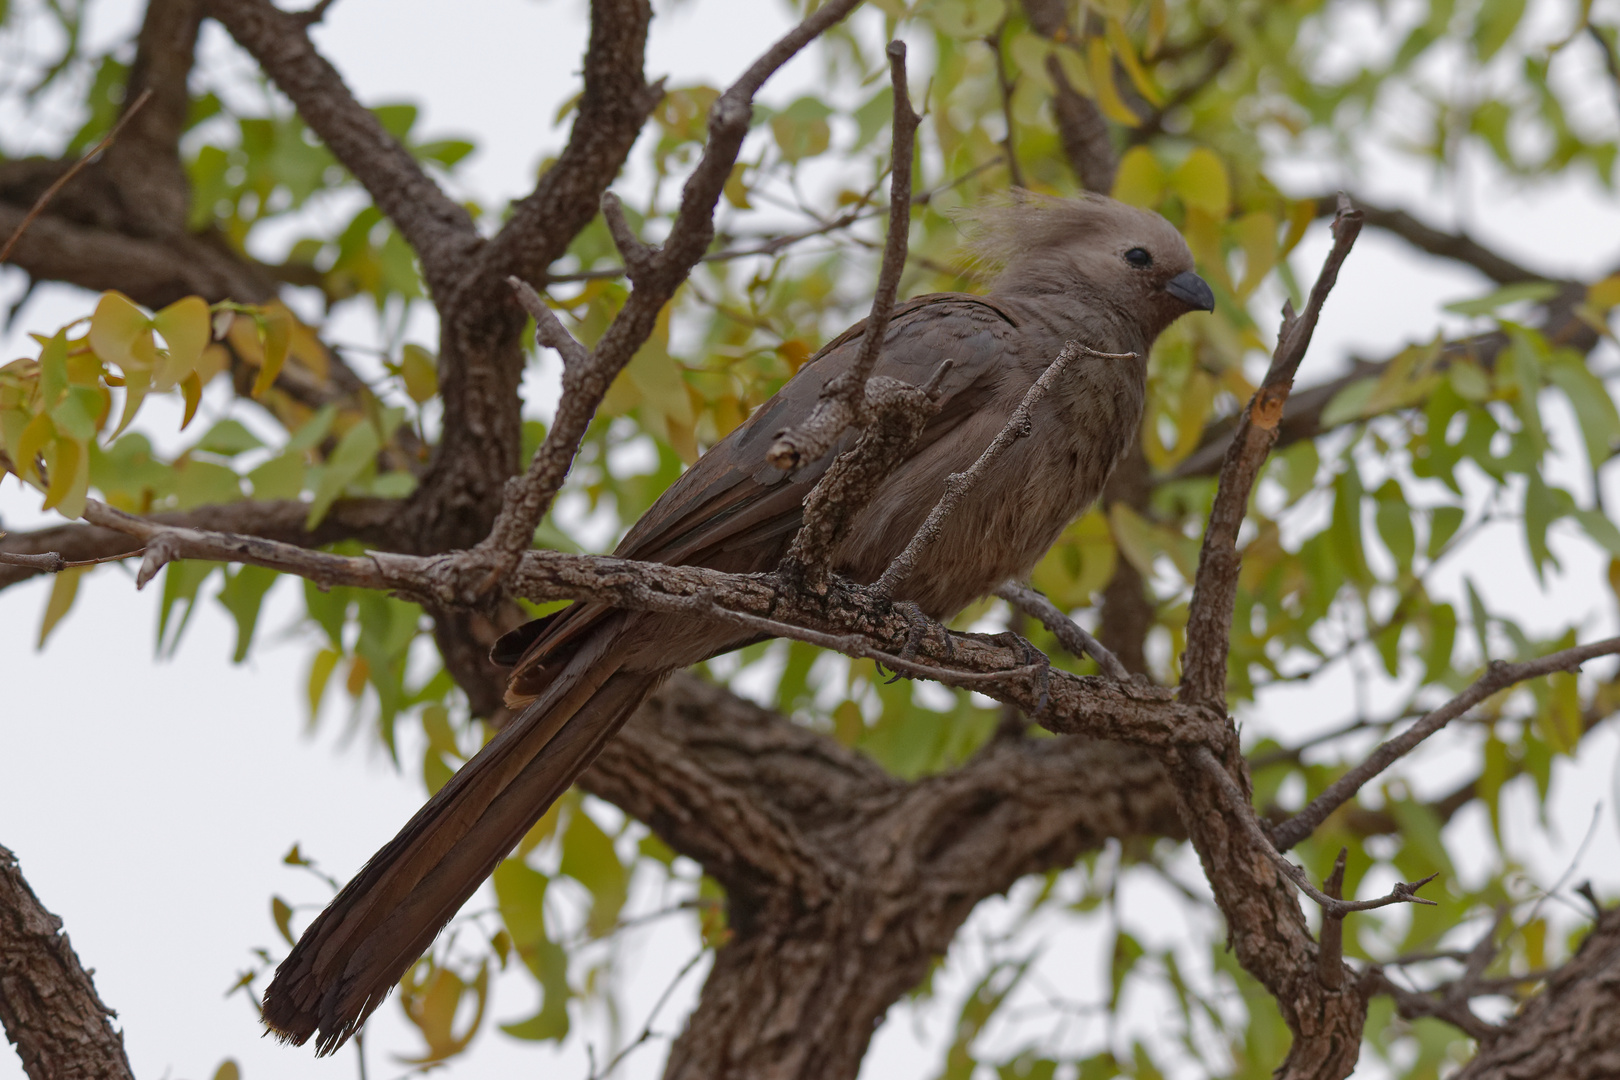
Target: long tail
383,920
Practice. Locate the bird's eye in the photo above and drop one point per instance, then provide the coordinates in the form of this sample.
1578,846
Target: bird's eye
1139,258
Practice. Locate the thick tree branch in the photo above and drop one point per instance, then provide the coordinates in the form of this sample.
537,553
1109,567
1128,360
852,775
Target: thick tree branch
1081,127
1457,246
1498,676
612,110
149,178
48,1005
439,230
586,382
1569,1031
1209,616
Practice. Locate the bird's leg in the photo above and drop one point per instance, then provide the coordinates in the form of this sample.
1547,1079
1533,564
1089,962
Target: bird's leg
918,626
1033,657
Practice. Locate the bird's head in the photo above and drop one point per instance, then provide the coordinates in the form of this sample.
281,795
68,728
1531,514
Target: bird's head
1129,261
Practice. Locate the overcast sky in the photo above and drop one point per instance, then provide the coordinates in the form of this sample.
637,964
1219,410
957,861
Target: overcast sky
150,802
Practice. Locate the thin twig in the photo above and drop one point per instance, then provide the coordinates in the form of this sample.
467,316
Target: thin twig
1015,175
1209,616
957,485
658,274
1238,807
1498,676
843,400
74,170
646,1029
51,562
1070,634
1330,954
772,245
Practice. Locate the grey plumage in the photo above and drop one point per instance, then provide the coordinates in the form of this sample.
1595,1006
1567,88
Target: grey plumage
1068,269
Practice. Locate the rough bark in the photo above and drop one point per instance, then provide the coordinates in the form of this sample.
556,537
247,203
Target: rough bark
1569,1031
48,1005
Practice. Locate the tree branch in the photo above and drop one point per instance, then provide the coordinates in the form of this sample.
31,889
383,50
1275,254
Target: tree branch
1070,634
438,229
612,110
585,383
1498,676
1081,127
1457,246
843,400
48,1004
1571,1030
1209,616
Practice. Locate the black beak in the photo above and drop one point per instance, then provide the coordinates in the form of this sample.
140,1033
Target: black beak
1191,290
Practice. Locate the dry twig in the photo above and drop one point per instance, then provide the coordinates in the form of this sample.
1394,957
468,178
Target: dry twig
1498,676
77,167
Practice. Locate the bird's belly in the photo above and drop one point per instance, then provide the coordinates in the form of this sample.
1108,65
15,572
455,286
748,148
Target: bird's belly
1000,529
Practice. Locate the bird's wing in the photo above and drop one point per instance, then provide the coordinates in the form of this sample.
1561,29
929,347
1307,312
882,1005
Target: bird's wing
734,511
732,498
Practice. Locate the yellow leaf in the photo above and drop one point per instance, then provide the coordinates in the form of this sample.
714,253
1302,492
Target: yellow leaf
1158,26
1257,234
63,591
136,384
214,360
1140,180
1202,184
1300,216
1121,44
420,372
191,388
1604,294
70,477
121,334
736,190
1100,63
359,672
1030,51
228,1070
39,432
275,328
186,327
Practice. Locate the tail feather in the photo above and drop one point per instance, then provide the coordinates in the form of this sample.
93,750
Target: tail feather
367,938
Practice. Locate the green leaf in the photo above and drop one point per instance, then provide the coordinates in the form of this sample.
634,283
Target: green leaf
1394,520
1494,24
520,892
1541,508
589,858
1594,407
801,130
64,589
181,581
1601,529
1533,291
320,673
356,452
242,596
228,438
1444,521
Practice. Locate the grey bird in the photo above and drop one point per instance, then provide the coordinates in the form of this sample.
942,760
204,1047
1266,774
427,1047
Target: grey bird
1093,270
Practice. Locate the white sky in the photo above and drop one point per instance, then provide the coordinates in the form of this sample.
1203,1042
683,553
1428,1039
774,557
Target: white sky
150,808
